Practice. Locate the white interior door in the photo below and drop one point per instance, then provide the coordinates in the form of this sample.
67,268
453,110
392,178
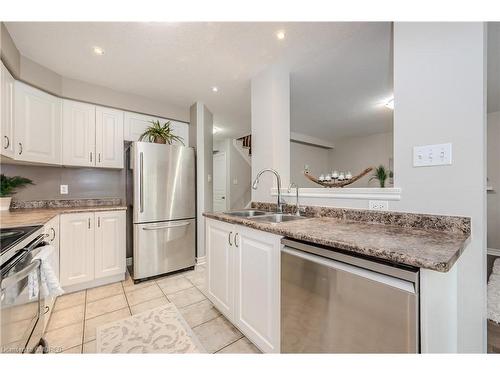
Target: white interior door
220,197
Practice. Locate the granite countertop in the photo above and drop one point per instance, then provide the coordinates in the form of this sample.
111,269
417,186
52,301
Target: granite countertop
419,247
40,216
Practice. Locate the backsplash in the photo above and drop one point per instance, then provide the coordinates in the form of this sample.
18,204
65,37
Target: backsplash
456,224
65,203
83,183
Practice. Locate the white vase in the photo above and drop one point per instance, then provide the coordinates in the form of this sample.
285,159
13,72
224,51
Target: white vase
5,203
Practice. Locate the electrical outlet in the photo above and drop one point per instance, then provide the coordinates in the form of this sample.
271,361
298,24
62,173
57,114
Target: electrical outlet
378,205
64,189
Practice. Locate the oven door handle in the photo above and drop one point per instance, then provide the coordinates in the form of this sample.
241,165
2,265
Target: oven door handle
14,279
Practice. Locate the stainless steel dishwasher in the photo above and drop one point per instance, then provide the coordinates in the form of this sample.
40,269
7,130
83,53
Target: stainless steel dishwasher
332,302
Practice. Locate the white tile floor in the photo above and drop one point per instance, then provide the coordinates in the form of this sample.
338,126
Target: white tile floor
72,326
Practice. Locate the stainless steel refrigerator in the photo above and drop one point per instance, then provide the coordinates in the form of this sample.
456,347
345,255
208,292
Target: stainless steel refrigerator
163,208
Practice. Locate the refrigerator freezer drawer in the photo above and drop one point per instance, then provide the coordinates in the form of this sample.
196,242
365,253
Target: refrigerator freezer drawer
163,247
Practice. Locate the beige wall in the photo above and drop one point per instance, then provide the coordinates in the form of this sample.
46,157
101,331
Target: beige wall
316,158
493,197
349,154
358,153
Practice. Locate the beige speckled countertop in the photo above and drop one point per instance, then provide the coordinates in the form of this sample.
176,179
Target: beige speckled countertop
420,247
40,216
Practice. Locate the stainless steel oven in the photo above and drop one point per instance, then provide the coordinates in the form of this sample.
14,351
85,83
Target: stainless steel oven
21,305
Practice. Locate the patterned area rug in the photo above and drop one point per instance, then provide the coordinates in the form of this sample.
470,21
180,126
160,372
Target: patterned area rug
161,330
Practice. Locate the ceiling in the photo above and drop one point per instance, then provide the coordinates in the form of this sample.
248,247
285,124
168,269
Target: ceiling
341,72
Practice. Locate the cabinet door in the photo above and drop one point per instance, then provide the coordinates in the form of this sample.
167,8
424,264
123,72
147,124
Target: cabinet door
109,243
37,125
7,112
109,138
78,133
76,248
135,125
257,287
220,268
51,230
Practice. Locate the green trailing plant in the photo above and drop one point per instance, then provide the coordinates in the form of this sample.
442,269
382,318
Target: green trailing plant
381,174
159,133
9,185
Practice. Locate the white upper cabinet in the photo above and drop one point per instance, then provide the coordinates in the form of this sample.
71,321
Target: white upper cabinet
136,124
7,112
37,125
109,137
78,133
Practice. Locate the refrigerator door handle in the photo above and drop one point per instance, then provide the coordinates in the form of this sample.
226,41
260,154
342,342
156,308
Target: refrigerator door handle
141,182
168,226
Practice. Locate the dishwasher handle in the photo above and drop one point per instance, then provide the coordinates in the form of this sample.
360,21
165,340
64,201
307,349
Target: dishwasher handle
404,285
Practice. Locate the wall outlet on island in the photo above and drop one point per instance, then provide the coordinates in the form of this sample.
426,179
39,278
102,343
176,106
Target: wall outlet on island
64,189
378,205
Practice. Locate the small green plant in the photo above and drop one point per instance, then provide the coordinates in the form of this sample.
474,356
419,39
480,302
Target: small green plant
9,185
381,174
159,133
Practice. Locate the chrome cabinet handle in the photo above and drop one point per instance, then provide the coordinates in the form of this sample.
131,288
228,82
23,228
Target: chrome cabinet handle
141,182
98,221
229,239
20,148
173,225
236,239
14,279
91,156
47,309
89,222
8,142
53,234
99,157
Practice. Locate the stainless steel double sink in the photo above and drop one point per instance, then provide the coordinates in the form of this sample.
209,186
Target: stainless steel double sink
264,216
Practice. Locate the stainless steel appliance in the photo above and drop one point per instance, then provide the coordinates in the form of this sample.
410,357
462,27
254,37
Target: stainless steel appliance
164,208
21,307
332,302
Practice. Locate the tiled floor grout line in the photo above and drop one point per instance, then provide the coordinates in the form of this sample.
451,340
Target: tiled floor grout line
84,321
209,320
229,344
126,299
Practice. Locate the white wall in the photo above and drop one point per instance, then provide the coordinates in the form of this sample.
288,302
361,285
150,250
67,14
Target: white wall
493,197
270,109
201,137
439,90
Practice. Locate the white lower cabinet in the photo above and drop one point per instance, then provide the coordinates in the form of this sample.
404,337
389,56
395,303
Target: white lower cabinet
92,247
243,280
51,230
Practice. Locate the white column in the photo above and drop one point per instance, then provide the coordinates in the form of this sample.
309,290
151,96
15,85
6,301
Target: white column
201,138
439,91
270,129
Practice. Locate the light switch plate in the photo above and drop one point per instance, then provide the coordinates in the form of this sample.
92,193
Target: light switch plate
432,155
64,189
378,205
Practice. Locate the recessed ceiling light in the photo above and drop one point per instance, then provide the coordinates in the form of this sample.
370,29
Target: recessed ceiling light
390,104
280,35
98,51
215,89
215,130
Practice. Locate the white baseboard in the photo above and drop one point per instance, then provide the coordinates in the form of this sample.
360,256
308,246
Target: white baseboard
494,252
201,260
94,283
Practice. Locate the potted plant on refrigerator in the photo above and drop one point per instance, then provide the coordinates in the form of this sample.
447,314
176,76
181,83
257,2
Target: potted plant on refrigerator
8,187
158,133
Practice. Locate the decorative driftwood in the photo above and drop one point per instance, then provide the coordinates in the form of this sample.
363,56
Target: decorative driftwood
338,184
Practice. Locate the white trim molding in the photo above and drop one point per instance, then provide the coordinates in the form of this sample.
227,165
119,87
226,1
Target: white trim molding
201,260
494,252
386,194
